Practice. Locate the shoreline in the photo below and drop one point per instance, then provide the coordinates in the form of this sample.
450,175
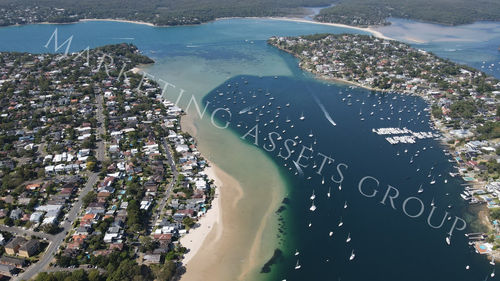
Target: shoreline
292,19
239,239
117,20
370,30
482,216
211,227
212,219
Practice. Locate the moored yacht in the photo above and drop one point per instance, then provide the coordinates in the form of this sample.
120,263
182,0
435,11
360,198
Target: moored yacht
297,265
313,207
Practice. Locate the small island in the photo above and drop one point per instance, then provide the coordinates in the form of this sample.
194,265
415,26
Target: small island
464,103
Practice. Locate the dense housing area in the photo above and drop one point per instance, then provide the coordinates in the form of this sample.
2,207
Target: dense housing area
95,171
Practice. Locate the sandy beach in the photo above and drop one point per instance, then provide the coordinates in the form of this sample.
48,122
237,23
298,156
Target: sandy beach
374,32
117,20
211,220
367,29
236,236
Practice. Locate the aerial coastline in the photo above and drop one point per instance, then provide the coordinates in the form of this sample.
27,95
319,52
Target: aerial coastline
229,241
243,233
454,93
196,237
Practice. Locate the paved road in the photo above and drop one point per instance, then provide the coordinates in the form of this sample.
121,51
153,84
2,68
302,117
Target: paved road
24,232
171,185
54,269
58,239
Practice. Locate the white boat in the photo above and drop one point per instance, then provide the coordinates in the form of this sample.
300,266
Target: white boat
467,267
330,234
352,256
297,265
493,273
313,207
432,203
312,195
310,224
297,252
340,187
329,194
348,238
420,189
433,181
446,181
492,262
448,240
302,116
345,205
341,223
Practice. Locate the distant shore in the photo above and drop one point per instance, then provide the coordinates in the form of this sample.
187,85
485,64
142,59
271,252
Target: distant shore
302,20
365,29
118,20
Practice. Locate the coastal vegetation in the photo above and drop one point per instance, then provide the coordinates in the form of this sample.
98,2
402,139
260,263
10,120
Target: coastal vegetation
464,102
390,65
83,125
376,12
158,12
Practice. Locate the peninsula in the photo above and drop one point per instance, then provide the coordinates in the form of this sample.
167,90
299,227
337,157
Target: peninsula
464,102
161,12
376,12
361,13
98,180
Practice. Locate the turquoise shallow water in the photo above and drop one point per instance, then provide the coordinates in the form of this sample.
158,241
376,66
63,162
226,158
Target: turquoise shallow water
203,60
474,44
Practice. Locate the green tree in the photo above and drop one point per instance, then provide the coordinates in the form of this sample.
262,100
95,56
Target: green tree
89,198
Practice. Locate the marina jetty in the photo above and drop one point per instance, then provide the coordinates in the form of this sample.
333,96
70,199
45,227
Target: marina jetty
463,104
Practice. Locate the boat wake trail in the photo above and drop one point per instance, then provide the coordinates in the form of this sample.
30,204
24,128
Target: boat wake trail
299,169
327,115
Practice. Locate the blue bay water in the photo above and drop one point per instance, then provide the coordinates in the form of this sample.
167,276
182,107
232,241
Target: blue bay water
388,244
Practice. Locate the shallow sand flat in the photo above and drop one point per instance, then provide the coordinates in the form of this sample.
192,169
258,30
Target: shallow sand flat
242,239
